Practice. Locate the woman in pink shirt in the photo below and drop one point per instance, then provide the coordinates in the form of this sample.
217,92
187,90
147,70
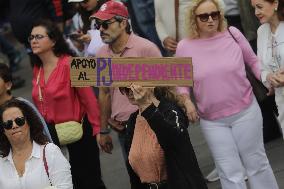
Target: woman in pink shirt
58,102
230,117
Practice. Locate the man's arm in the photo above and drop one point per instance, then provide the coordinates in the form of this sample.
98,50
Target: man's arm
105,109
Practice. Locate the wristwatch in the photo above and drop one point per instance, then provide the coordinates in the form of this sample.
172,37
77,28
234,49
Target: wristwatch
105,131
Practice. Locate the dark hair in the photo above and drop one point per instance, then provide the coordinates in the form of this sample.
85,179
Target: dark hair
5,74
120,19
85,15
36,126
280,8
61,47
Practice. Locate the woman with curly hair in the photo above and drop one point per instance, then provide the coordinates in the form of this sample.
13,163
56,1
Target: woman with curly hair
159,151
22,145
230,117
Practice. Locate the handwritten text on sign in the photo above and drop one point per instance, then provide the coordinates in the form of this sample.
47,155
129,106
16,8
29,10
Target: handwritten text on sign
118,72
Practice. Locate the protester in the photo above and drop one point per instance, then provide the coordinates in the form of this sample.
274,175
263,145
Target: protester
22,145
230,117
111,21
85,34
22,15
170,18
6,94
58,102
160,154
270,48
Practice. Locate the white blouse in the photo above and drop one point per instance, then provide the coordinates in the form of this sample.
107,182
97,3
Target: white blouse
270,50
35,176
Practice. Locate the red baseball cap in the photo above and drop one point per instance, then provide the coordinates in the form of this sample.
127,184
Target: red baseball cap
110,9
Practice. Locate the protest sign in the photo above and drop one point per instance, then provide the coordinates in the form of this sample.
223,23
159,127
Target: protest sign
119,72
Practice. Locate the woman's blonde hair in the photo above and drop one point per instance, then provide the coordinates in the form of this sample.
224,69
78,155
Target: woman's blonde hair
191,24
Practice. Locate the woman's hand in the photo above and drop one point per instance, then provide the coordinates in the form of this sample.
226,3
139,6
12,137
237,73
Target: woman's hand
279,77
273,79
86,38
191,111
143,96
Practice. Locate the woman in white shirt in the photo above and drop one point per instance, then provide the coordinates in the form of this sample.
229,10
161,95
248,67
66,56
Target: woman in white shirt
270,48
22,145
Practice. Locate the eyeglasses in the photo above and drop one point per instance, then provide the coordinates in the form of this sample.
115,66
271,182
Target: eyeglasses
104,24
205,17
20,121
36,37
124,90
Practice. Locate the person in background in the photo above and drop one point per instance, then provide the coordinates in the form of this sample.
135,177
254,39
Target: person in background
270,48
165,21
142,16
160,154
6,94
85,34
230,117
22,14
22,145
58,102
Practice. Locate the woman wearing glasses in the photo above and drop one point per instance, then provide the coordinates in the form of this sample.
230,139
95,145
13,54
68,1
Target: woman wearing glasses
58,102
270,45
159,151
22,144
230,117
6,94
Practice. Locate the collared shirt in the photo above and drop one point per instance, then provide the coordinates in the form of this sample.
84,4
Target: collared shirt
35,176
135,47
62,102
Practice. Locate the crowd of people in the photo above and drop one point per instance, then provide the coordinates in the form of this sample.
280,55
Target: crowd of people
54,142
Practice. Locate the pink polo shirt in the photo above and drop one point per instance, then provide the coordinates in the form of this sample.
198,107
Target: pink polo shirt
61,102
221,87
136,47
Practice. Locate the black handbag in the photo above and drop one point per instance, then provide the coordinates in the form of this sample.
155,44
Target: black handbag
259,90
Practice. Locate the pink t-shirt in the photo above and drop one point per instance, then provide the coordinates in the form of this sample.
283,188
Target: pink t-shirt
61,102
221,87
135,47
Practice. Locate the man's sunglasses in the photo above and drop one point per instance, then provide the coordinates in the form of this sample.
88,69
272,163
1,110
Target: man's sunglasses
20,121
36,37
124,90
104,24
205,17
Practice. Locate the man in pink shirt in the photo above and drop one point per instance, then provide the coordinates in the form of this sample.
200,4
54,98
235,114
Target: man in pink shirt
112,21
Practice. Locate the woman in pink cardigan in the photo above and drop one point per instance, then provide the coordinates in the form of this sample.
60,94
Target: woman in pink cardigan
230,117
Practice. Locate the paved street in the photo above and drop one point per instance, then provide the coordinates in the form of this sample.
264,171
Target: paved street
114,172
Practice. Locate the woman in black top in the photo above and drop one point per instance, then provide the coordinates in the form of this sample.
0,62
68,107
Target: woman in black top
166,117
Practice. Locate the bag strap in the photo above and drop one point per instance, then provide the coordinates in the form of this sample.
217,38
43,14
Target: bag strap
176,18
45,164
232,35
38,85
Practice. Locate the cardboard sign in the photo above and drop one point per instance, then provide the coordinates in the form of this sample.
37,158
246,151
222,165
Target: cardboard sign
120,72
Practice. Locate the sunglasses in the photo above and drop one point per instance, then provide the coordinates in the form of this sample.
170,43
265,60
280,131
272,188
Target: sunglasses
205,17
104,24
124,90
20,121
